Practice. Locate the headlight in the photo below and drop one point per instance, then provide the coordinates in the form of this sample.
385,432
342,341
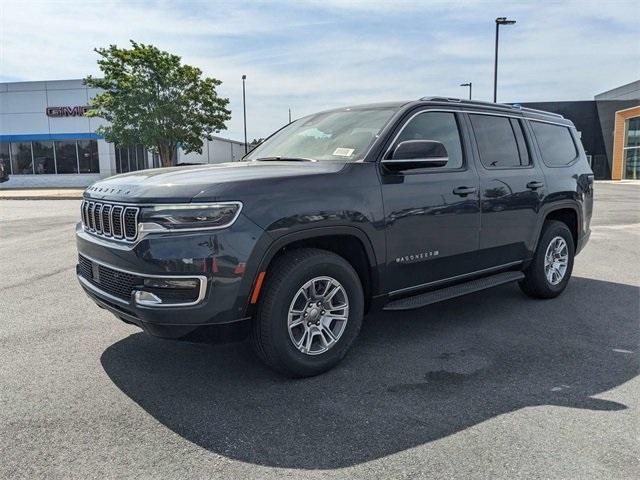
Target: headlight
192,216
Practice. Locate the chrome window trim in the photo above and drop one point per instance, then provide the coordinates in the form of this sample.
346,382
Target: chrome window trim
477,112
201,278
422,111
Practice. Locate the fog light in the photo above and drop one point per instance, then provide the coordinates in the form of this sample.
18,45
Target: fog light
187,283
170,291
147,298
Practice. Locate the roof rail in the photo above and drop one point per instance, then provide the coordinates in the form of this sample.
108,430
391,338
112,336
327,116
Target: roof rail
460,100
513,106
535,110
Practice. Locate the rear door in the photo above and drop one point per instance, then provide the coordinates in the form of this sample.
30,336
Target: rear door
511,188
432,215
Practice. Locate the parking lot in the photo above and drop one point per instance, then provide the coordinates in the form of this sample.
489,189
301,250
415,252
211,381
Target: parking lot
493,385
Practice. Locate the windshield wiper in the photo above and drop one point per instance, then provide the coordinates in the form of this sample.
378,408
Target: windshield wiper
285,159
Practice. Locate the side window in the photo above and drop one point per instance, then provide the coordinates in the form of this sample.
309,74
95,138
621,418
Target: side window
556,144
439,126
496,140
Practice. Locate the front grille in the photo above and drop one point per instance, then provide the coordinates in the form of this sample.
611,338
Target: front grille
110,220
114,282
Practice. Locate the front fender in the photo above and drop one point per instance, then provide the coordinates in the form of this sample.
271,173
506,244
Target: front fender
267,247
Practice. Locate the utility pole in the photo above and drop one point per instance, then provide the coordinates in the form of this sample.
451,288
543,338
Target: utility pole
470,85
499,21
244,108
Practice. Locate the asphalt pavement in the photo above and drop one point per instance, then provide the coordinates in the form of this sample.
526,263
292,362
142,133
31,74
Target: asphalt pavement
492,385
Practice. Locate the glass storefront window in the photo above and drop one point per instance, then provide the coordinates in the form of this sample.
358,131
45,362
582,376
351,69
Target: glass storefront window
118,164
141,157
124,159
66,156
632,149
632,164
88,156
21,158
633,132
50,157
131,158
43,159
4,157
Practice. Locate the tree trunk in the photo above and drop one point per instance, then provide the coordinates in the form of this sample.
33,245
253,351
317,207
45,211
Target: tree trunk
166,152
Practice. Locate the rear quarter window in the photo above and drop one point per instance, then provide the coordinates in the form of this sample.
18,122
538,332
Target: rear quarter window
556,144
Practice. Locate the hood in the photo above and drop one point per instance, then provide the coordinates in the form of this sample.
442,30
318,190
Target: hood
182,184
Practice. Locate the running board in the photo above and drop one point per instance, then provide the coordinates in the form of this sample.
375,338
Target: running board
435,296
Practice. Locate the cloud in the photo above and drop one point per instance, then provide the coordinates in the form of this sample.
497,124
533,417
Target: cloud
320,54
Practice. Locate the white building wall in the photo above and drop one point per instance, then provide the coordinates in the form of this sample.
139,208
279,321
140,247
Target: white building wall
107,156
217,150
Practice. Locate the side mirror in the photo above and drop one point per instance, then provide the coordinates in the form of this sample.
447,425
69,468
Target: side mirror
413,154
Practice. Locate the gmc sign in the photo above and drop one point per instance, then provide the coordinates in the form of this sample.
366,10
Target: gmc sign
76,111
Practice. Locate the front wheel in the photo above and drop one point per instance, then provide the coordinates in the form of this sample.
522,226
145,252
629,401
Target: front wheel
310,312
550,270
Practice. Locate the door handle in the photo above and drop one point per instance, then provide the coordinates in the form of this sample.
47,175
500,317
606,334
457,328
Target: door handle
535,185
464,191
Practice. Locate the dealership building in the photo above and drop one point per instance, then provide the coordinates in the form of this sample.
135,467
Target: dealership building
610,129
47,141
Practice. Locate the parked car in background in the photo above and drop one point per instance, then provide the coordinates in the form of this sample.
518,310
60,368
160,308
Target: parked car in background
393,206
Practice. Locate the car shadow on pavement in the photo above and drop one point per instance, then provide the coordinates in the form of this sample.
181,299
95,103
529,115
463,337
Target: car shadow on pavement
412,377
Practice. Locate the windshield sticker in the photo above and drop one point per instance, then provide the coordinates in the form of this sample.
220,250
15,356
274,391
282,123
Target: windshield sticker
343,152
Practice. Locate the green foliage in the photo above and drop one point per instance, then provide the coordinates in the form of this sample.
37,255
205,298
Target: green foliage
149,97
255,142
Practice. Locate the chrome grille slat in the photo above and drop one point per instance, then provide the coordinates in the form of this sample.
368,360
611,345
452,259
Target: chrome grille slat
90,213
83,209
111,220
130,222
106,220
116,221
97,217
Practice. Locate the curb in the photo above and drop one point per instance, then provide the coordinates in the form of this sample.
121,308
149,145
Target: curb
57,197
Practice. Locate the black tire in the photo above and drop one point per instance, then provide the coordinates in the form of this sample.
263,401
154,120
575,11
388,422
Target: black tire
270,333
535,284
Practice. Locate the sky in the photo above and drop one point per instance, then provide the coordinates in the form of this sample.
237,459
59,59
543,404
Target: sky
319,54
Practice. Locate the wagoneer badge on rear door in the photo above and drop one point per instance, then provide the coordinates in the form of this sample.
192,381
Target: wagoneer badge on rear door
418,257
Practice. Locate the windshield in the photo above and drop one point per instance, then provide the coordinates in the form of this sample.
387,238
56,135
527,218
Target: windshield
336,135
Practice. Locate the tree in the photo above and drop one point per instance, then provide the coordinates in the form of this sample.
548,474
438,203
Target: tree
149,97
255,143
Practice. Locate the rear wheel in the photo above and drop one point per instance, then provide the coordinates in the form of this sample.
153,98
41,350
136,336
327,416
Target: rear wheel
550,270
310,312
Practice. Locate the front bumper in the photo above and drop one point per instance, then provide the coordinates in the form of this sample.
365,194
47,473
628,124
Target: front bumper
221,259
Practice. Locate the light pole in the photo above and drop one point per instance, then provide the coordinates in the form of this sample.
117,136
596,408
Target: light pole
244,108
470,85
289,115
499,21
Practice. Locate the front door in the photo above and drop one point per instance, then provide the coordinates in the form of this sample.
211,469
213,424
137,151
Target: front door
432,215
511,189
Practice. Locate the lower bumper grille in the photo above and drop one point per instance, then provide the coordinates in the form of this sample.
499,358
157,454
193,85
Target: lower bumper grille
114,282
